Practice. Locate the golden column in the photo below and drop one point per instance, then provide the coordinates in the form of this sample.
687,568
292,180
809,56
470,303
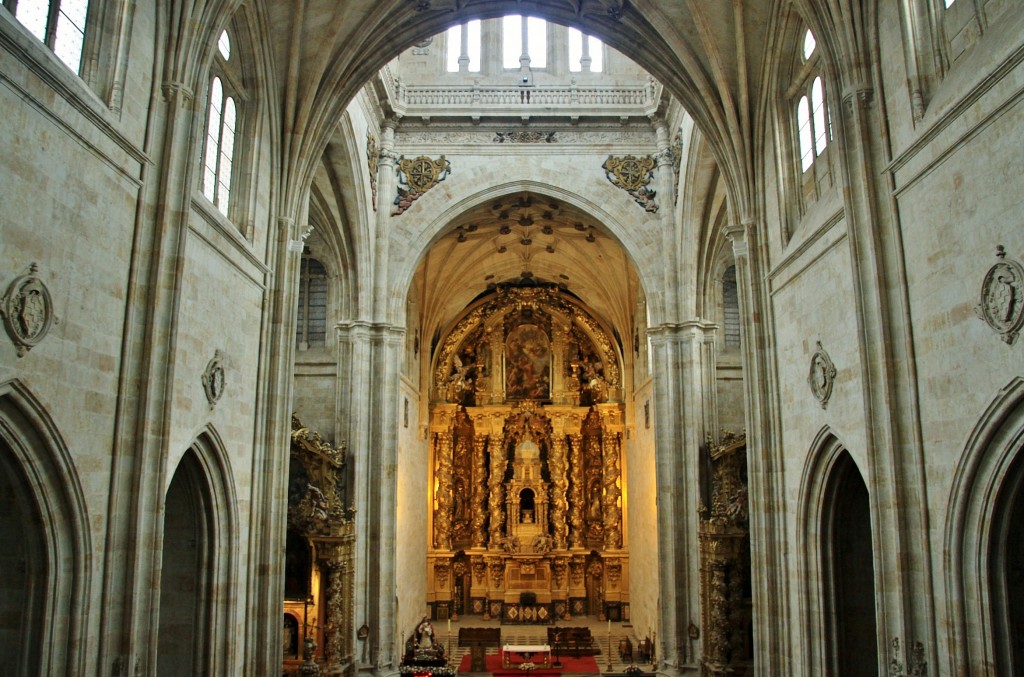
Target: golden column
611,443
441,422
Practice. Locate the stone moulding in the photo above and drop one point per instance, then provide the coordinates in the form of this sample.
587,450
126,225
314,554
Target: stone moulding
1001,305
27,310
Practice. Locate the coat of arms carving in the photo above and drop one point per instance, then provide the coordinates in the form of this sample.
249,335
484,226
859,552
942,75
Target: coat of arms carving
1002,297
213,379
416,176
27,311
822,376
633,175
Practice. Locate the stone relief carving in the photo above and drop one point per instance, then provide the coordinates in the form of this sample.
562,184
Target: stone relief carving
214,379
416,177
822,376
408,137
27,311
1002,297
372,157
523,136
633,175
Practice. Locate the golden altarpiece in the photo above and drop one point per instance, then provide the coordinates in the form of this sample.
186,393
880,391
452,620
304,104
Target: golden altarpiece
319,559
526,441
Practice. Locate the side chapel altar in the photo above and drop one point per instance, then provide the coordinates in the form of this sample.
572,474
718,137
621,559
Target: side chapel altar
526,439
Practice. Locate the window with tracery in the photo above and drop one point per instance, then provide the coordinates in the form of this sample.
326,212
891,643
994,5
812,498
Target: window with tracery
586,53
811,113
812,129
524,39
221,124
464,48
59,24
311,318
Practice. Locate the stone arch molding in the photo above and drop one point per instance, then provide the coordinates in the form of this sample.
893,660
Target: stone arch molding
645,257
41,454
991,448
825,451
219,510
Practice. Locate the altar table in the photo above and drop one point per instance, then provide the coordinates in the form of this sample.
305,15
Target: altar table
515,655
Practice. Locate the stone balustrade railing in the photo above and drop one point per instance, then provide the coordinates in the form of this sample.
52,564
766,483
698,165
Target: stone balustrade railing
615,100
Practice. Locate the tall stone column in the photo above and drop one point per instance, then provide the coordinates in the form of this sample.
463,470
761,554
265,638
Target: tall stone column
896,469
576,488
369,359
680,428
387,182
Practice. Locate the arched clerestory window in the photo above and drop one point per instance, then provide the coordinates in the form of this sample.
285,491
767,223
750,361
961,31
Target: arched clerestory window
59,24
813,122
221,126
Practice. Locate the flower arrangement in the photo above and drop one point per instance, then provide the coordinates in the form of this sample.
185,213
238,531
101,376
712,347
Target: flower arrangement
633,669
424,671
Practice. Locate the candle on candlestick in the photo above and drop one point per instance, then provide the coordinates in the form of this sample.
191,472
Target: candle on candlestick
449,626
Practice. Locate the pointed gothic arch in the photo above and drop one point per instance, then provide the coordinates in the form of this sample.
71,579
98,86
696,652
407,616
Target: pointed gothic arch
197,567
44,504
986,501
835,562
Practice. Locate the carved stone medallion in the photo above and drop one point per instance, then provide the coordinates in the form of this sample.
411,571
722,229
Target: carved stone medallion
213,379
1002,297
417,176
27,311
822,376
633,175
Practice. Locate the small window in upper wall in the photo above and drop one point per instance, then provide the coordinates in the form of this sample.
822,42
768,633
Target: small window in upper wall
59,24
468,53
949,3
581,51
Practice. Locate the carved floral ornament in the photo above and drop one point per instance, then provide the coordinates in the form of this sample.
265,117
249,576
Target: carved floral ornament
633,175
822,376
372,158
1002,297
416,176
27,310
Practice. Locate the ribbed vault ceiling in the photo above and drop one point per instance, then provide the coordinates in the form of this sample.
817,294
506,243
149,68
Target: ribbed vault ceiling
525,236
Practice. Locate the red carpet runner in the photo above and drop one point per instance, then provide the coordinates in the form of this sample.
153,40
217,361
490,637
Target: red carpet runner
570,665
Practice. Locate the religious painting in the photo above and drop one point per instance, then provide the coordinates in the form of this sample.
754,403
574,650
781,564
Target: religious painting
527,364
